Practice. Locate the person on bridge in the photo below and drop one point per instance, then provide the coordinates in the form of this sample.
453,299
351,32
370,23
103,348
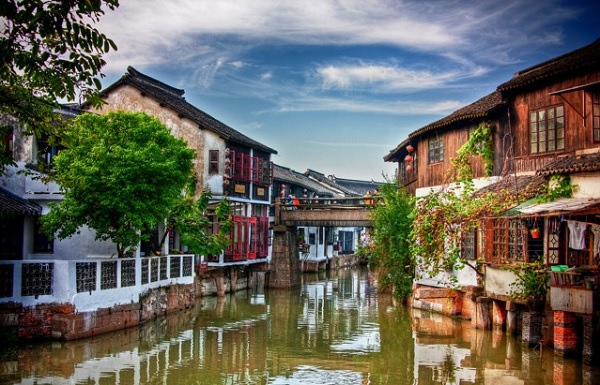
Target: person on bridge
368,200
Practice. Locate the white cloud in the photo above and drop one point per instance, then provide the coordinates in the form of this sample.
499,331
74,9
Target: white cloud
381,78
370,106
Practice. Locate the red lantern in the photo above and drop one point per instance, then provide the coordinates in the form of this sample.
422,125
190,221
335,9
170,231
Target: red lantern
408,158
410,148
409,168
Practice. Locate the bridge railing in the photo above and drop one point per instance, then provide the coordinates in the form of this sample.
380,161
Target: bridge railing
303,204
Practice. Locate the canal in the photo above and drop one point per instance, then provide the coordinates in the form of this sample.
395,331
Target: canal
336,329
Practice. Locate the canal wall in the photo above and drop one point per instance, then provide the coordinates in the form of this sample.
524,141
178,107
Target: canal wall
64,322
333,263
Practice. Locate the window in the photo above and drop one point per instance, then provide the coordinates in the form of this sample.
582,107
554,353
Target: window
596,115
508,241
41,242
469,245
547,129
436,149
213,159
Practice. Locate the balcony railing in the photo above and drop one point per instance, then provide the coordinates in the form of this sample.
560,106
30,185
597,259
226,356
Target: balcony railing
91,283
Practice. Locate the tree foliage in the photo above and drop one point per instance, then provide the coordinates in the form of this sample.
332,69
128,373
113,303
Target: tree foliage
50,50
121,173
388,246
191,221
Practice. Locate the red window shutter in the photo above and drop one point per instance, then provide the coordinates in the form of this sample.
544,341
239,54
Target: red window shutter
252,241
263,237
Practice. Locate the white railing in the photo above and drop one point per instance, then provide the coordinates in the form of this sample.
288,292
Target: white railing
91,284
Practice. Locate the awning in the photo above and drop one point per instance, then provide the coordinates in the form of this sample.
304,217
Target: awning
12,205
559,206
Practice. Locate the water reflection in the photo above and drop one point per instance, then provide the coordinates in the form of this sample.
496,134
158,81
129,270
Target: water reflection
334,330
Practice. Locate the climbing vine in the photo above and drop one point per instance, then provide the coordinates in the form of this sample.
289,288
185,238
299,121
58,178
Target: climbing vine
559,186
443,217
480,143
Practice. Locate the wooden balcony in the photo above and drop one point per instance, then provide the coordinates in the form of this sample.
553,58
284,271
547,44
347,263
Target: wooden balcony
575,291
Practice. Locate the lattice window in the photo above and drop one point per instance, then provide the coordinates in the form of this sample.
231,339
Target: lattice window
145,267
108,275
128,273
469,245
154,265
37,279
508,242
164,262
436,149
85,276
188,266
175,267
7,273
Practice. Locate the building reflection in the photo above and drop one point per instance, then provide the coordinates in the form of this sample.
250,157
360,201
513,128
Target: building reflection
336,329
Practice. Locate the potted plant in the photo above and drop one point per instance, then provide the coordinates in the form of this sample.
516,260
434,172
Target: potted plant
531,285
535,229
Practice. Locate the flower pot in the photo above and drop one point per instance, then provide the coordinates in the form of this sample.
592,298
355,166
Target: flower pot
535,233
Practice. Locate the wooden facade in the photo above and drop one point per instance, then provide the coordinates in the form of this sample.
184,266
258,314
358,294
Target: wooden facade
546,122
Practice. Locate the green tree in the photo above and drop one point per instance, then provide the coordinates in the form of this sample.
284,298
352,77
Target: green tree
121,173
50,50
389,247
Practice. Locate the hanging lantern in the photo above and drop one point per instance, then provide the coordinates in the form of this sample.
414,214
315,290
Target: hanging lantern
410,148
409,168
408,158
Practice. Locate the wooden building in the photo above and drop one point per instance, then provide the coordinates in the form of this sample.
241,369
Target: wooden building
546,130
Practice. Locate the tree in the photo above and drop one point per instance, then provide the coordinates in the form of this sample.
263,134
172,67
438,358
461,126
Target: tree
50,51
389,247
121,173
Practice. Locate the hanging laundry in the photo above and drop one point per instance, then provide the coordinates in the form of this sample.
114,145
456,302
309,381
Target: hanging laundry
577,234
595,229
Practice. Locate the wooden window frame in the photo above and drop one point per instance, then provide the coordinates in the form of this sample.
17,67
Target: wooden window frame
542,122
596,115
213,162
436,149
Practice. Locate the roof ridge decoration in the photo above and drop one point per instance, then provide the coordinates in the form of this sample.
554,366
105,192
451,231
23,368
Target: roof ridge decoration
155,83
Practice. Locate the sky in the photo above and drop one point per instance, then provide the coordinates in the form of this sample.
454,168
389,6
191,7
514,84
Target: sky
335,85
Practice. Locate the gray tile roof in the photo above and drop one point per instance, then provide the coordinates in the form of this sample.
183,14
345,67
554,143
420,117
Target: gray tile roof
581,60
12,205
572,164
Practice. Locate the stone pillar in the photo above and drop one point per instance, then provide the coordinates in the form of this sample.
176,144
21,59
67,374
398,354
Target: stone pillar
221,286
285,262
565,333
590,339
531,334
498,314
483,313
566,372
512,319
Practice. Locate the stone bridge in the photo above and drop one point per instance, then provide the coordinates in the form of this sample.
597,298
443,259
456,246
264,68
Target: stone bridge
330,212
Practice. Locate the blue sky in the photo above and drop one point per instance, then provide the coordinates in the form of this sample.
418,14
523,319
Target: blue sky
335,85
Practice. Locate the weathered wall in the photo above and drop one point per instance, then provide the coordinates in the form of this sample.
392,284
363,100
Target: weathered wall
128,98
64,322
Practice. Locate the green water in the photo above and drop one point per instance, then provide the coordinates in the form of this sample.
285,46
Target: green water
336,329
